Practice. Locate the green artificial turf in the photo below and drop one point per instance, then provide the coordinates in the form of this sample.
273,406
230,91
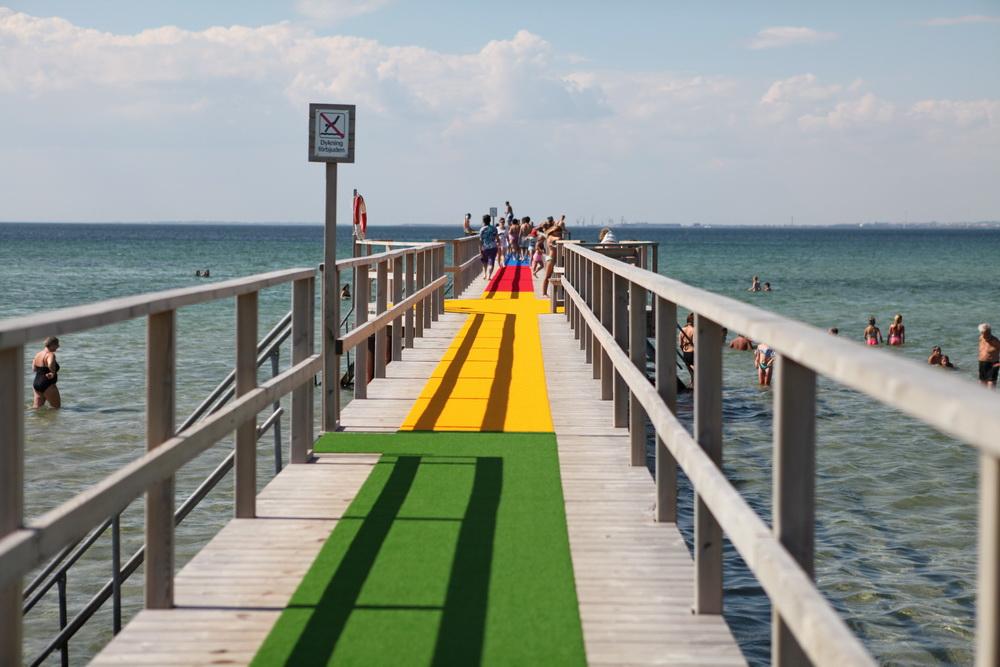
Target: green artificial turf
454,552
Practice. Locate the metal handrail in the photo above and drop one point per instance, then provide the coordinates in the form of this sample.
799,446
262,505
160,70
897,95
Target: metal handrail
55,572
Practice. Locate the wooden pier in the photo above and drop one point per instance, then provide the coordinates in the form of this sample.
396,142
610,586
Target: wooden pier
638,595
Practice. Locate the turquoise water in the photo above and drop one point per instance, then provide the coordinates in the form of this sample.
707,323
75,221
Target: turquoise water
895,501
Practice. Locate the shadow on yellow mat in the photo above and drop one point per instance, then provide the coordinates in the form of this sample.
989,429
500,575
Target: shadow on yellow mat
491,378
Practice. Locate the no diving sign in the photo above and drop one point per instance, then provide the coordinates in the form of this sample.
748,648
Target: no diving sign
331,133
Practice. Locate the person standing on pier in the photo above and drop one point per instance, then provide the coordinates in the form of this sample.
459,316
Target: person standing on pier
989,356
488,246
46,370
508,212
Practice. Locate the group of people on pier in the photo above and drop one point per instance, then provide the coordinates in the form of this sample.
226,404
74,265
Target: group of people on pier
518,241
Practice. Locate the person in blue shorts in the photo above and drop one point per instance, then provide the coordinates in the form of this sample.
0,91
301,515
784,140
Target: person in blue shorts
488,246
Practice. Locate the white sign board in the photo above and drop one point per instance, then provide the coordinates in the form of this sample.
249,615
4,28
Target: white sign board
331,133
493,211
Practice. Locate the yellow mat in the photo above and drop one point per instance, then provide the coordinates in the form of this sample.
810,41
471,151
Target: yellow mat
491,378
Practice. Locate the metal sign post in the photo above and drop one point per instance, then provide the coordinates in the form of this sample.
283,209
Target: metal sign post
331,140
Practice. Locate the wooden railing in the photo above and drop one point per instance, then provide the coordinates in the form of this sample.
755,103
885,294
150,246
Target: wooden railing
465,263
417,299
606,306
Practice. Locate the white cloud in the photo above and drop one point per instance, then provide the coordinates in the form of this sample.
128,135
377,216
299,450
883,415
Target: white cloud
960,113
867,110
778,36
960,20
331,11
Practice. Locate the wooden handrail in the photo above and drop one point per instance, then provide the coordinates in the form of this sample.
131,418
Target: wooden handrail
20,330
950,404
46,535
824,635
368,328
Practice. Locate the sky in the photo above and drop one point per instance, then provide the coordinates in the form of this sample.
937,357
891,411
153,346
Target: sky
667,112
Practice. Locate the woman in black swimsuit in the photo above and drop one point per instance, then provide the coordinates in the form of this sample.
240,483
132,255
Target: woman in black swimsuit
46,370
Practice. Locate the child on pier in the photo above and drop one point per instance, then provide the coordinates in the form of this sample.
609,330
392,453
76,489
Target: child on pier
538,259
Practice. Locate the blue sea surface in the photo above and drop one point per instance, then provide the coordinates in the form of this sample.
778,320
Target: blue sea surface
896,501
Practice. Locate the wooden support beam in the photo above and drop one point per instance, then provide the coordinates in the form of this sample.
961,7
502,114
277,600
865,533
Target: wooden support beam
607,322
988,590
666,387
245,463
396,342
595,292
11,493
381,302
410,271
637,354
303,297
708,434
423,317
331,306
619,318
361,356
161,364
794,486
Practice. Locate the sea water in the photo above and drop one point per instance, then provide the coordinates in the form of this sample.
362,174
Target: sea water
896,502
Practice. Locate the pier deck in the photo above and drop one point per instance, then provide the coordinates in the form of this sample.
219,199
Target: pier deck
633,577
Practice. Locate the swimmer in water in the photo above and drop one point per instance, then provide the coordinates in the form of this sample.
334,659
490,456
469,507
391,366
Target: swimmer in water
873,335
897,332
741,343
754,284
46,370
935,358
767,287
763,361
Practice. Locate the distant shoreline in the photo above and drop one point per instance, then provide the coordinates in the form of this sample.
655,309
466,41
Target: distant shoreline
984,224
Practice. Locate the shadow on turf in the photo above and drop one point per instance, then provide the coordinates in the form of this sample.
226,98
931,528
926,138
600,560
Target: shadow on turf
463,618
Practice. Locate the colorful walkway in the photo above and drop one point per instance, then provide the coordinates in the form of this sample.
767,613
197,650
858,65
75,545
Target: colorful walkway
455,551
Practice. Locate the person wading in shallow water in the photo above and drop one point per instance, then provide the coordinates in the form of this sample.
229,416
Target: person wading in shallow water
989,356
46,370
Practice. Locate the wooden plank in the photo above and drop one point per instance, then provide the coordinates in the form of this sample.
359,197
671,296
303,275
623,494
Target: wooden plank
988,591
666,387
11,492
637,353
794,486
381,301
245,463
823,635
708,434
229,595
633,576
161,373
303,297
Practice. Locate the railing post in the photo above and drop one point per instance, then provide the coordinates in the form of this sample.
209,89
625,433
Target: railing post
302,343
11,492
708,434
245,464
440,272
607,318
457,275
595,307
330,325
408,316
396,342
578,286
581,323
430,314
637,354
421,315
116,574
588,297
620,331
794,485
381,300
275,365
568,277
161,351
666,387
361,356
988,589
